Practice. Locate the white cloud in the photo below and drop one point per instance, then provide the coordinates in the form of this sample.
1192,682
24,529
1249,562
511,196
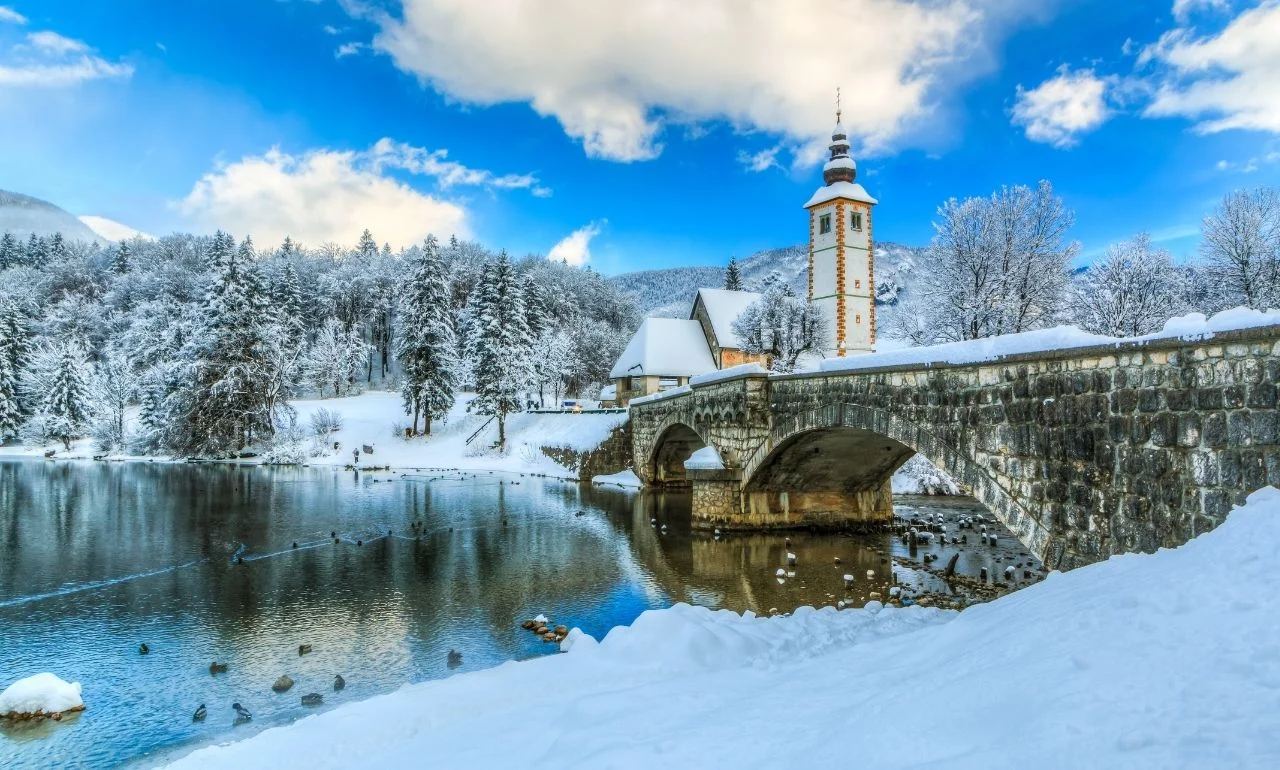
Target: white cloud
615,74
1182,9
349,49
113,230
1061,108
760,161
320,197
448,173
575,248
10,16
49,60
1225,80
54,43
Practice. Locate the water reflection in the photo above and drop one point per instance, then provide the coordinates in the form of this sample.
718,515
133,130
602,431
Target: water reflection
199,562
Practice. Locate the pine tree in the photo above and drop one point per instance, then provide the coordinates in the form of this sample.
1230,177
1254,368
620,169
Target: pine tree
65,408
120,262
367,249
10,411
10,251
57,249
501,345
15,347
733,276
37,252
224,402
427,345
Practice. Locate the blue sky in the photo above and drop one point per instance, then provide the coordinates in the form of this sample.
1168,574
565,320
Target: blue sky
630,135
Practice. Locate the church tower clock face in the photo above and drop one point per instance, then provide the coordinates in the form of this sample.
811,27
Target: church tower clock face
841,254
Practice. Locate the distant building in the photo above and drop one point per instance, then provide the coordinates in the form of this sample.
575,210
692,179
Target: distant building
666,352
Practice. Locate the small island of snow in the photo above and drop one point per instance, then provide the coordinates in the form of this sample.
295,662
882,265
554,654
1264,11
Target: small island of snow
42,695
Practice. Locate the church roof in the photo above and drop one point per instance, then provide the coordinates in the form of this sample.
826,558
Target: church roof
723,308
847,190
665,347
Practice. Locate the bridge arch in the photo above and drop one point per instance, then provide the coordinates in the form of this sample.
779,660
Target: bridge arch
676,442
853,450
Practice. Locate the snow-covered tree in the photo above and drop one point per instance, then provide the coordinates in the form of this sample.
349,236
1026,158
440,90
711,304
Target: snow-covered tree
335,359
780,326
1241,248
997,265
67,404
500,343
426,346
11,254
114,387
733,276
1132,290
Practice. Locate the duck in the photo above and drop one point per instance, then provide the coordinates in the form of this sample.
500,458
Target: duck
217,668
242,713
303,649
338,683
201,713
143,649
312,699
454,659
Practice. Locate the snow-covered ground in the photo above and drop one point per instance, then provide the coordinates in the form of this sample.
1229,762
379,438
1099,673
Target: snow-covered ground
1168,660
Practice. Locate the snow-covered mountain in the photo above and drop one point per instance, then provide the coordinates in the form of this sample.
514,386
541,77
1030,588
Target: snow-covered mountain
669,293
23,215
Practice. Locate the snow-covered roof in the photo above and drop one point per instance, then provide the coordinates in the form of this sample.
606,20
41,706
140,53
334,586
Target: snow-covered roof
723,308
666,347
848,190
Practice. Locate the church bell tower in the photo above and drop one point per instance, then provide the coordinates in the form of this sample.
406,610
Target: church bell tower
841,258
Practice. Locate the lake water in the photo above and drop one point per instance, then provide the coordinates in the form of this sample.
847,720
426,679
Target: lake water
199,562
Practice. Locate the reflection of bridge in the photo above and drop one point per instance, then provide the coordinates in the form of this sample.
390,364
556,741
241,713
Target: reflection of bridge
1081,453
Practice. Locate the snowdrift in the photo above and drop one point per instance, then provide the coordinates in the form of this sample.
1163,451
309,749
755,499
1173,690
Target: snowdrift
1143,661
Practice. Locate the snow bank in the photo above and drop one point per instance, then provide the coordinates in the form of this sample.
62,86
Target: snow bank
627,478
706,458
1194,326
42,694
1144,661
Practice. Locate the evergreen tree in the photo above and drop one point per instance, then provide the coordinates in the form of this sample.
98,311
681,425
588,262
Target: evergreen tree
367,249
15,346
120,262
501,345
733,276
224,402
37,252
57,249
65,408
427,346
10,251
10,411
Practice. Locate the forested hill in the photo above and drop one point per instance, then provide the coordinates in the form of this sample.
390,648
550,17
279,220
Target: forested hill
670,292
22,215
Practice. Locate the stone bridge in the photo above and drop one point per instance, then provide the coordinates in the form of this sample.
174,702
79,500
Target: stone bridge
1082,453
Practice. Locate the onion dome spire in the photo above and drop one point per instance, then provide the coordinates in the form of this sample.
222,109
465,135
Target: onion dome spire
840,167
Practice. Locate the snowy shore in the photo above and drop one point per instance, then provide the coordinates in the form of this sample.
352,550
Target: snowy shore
376,419
1143,661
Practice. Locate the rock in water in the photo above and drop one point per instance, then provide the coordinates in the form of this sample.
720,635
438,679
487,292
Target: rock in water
282,684
42,695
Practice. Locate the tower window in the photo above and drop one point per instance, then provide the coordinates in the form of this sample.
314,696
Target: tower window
824,224
855,220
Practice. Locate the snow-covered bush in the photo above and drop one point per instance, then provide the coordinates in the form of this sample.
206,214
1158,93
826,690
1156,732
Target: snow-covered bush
325,421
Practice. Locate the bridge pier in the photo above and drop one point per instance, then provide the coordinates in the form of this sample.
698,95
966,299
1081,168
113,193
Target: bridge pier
719,501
